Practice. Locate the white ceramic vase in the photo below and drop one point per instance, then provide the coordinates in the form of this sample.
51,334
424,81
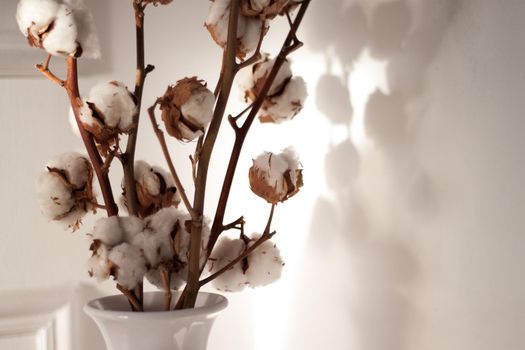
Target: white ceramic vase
155,329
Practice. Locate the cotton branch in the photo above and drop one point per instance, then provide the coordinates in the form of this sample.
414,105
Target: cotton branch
165,151
128,158
136,305
71,86
229,70
290,44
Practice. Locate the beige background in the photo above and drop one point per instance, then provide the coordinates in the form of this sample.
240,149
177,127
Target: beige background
408,234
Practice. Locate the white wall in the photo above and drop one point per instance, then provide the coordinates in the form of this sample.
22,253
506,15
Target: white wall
409,231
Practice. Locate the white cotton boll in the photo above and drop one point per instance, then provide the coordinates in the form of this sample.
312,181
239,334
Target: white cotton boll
218,16
153,276
98,264
61,40
146,177
251,34
35,14
131,226
225,251
75,166
54,196
108,231
165,219
156,246
73,123
115,102
264,264
199,108
262,70
131,266
189,134
274,166
286,105
259,5
87,36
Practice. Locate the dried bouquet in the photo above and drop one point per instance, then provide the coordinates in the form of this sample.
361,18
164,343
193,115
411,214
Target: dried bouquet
164,236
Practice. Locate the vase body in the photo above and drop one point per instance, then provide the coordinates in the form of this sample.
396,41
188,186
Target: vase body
155,329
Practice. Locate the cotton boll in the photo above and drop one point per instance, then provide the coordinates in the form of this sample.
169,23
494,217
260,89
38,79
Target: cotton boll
286,105
108,231
165,220
129,263
98,264
115,103
264,264
73,123
199,107
226,250
87,36
276,177
34,18
55,197
65,189
75,166
156,246
187,108
154,277
131,226
255,77
155,189
61,39
248,29
251,36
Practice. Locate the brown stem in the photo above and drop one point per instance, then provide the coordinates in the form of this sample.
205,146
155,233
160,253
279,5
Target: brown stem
165,151
264,237
229,71
133,301
44,69
290,44
165,276
128,158
71,86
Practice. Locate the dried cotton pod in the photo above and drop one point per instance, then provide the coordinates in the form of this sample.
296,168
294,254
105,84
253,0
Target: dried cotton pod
187,108
65,189
276,177
155,189
62,28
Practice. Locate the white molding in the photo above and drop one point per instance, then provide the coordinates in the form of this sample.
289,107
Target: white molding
35,319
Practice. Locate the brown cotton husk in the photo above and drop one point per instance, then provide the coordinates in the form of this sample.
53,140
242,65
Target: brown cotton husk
172,101
261,188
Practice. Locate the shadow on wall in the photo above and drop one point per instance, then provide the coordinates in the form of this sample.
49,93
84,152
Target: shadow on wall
377,188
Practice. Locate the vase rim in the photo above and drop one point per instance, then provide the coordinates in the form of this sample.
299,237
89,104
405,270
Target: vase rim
95,308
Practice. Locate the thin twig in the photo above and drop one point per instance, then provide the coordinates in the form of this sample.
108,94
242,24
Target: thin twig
234,224
165,276
44,69
165,151
135,304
